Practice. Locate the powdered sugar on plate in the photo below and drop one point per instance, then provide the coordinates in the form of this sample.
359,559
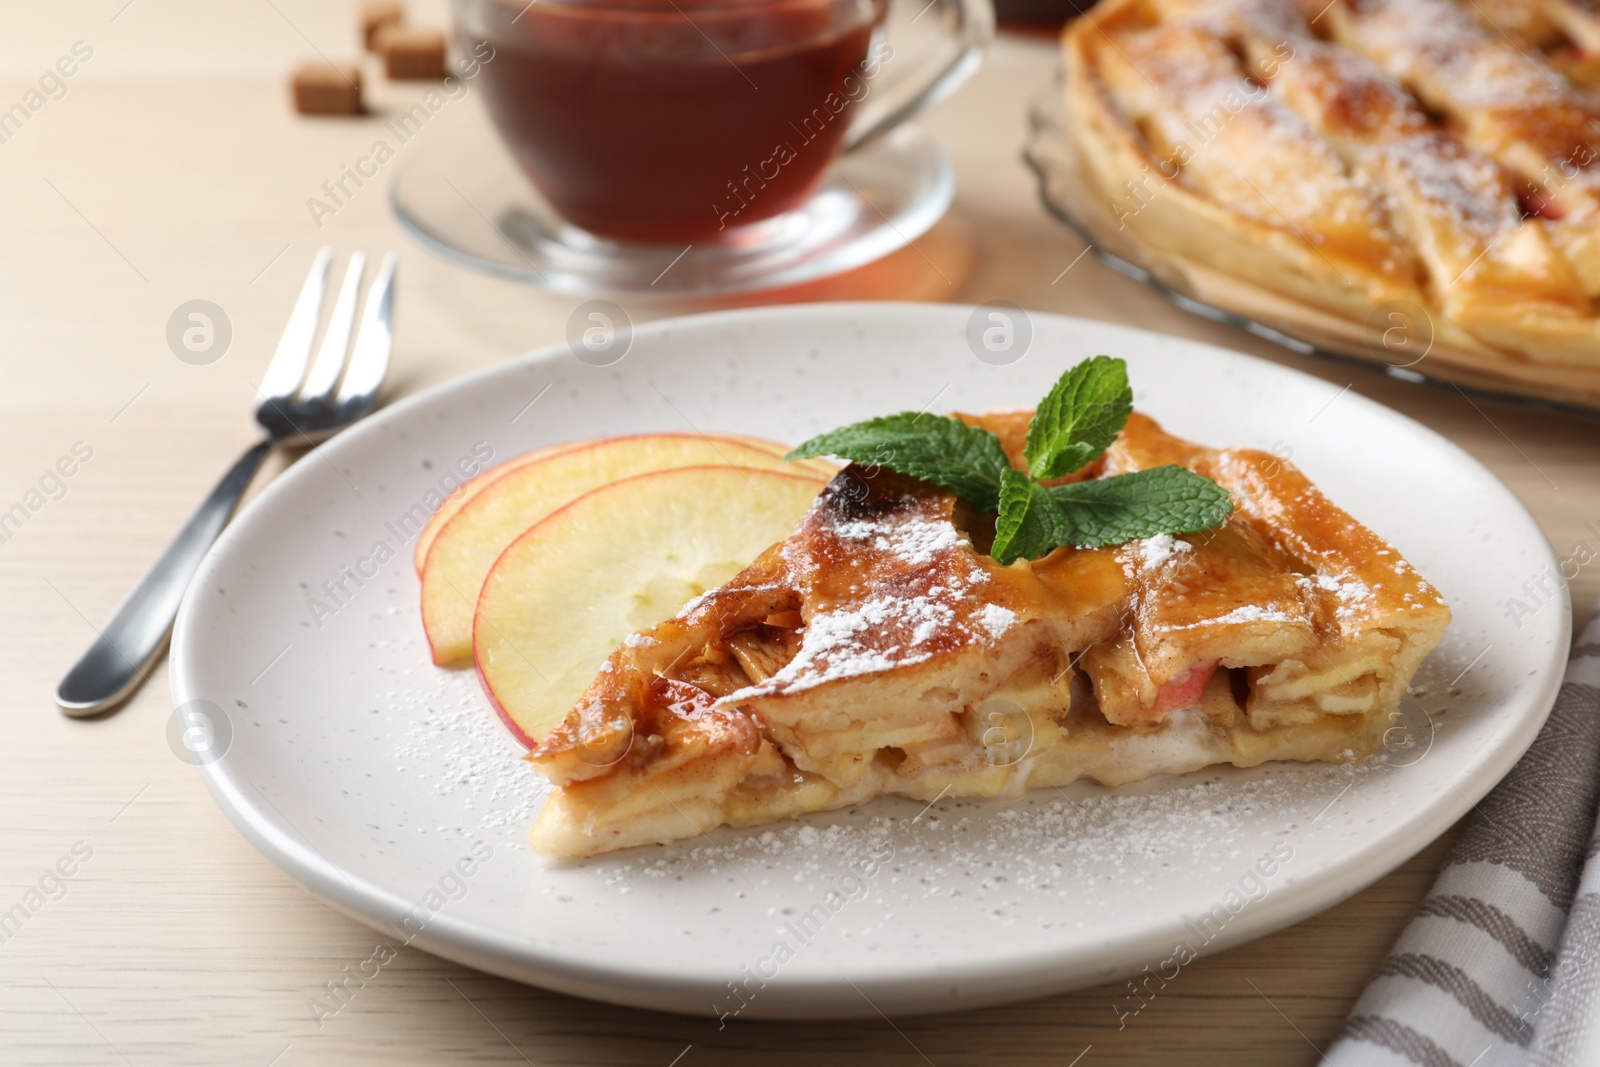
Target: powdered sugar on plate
1075,845
458,749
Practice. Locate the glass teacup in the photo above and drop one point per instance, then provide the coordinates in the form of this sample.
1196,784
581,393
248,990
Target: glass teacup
672,121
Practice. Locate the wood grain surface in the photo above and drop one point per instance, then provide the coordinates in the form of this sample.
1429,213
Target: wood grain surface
170,169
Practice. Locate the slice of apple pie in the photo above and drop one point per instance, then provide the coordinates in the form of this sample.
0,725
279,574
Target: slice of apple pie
881,650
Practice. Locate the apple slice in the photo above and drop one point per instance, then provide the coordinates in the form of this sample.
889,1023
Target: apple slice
475,485
471,488
467,546
618,560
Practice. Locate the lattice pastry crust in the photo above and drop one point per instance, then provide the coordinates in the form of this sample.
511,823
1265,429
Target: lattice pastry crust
1357,154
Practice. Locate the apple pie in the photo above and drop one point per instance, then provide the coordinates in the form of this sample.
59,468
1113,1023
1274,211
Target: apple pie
1362,154
879,650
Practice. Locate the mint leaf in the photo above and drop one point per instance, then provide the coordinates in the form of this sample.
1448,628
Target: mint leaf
963,459
1126,507
1034,520
1080,417
1031,522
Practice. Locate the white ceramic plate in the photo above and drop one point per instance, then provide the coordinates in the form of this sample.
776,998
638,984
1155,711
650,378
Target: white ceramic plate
376,779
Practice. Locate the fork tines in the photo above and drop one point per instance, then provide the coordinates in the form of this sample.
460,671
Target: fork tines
343,380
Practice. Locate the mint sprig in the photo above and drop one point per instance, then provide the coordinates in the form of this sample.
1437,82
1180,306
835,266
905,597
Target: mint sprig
1079,418
947,452
1073,426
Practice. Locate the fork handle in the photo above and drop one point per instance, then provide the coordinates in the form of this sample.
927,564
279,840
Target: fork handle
112,668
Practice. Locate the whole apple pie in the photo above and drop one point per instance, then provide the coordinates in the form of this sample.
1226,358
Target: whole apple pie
884,649
1357,156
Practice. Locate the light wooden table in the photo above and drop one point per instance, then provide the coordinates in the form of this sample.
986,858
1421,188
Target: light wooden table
171,170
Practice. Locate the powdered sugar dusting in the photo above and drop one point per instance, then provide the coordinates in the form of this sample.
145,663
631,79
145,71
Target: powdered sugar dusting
1156,552
830,650
911,598
996,619
1249,613
916,541
1081,845
1354,596
459,750
851,642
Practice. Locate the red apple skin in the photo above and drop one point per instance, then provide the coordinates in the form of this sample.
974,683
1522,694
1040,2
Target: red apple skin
478,483
477,666
511,724
483,479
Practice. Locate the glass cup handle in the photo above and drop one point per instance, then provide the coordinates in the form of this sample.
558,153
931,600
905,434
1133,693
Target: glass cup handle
971,32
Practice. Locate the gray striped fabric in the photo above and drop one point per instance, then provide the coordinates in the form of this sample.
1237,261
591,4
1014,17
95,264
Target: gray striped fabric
1501,962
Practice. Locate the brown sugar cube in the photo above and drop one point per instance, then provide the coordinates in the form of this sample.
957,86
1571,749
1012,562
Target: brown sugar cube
377,17
322,88
412,55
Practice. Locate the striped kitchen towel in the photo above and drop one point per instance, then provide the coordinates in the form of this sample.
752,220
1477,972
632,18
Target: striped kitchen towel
1501,962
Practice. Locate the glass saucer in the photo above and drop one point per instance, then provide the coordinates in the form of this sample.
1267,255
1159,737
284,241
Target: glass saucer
463,197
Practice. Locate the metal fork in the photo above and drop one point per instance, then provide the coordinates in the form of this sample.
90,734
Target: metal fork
296,406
